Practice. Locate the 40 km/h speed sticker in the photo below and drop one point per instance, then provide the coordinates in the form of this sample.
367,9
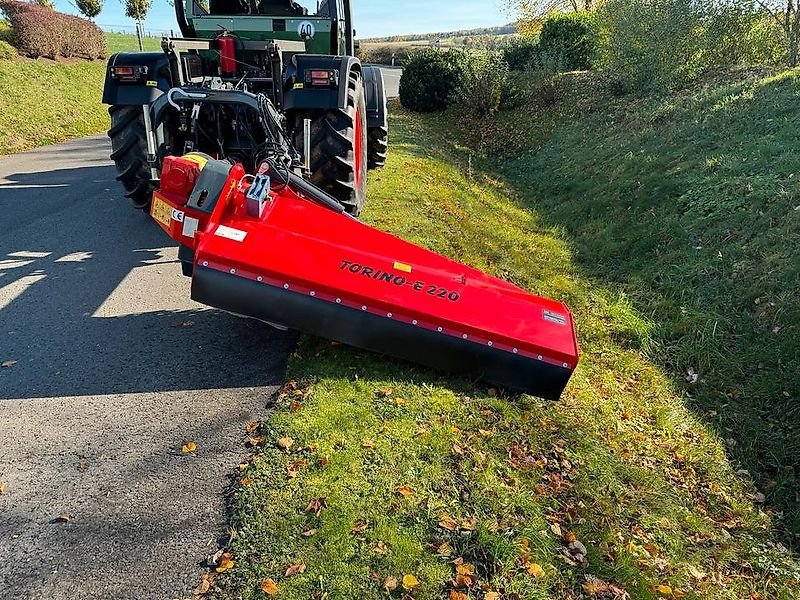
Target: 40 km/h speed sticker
306,30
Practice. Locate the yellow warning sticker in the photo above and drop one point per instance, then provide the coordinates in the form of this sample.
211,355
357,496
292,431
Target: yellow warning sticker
298,86
402,267
152,83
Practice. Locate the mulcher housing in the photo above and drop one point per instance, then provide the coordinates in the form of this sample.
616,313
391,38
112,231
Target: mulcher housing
306,265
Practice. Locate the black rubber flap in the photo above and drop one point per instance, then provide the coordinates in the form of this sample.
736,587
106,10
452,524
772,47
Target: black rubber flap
378,334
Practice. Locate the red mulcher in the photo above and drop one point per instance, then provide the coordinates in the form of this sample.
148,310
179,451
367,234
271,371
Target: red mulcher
273,247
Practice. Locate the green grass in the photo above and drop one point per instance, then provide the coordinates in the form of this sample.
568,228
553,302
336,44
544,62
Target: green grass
42,102
125,42
623,464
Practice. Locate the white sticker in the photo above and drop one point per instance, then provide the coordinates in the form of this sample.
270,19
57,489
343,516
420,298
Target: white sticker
555,318
306,30
177,215
237,235
190,225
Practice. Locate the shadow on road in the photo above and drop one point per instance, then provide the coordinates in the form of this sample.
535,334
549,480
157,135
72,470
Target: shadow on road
92,301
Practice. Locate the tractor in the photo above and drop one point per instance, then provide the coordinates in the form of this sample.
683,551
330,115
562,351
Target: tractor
251,80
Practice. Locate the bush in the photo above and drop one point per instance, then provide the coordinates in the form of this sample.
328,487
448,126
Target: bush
571,38
7,51
483,81
41,32
668,43
431,79
520,52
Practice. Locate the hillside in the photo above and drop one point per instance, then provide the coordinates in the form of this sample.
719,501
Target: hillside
670,229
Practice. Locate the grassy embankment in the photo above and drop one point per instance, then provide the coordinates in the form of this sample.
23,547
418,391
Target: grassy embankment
660,222
44,101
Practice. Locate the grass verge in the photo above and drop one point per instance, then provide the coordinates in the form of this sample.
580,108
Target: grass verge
379,479
43,102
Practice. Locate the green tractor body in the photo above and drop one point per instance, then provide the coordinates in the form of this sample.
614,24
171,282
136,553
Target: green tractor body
296,64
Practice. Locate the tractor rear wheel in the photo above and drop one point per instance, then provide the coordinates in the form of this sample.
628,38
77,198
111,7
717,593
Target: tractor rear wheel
339,147
378,146
129,153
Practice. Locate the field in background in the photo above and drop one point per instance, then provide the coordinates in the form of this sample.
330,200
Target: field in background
125,42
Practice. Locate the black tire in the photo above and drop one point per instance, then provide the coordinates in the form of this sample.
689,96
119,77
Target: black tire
129,153
378,147
333,148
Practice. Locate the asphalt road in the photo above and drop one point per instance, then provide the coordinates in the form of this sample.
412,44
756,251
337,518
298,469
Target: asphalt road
391,80
115,370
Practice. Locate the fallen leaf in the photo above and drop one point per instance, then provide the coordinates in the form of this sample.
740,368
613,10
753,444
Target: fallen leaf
225,562
83,464
385,392
2,487
206,581
65,518
445,549
448,523
491,596
189,447
256,440
664,590
285,443
458,450
247,481
309,532
7,364
269,587
536,570
316,505
465,569
324,461
405,491
594,586
462,581
410,582
390,584
368,444
359,527
295,406
696,573
456,595
252,426
296,569
556,529
381,548
294,469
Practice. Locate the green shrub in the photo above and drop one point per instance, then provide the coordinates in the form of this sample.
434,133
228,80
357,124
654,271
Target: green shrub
572,38
483,81
7,51
520,52
41,32
667,43
431,79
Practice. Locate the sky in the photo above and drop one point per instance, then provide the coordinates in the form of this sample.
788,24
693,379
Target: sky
373,18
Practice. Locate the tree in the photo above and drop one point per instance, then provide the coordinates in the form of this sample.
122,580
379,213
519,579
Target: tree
89,8
787,14
532,13
137,9
51,4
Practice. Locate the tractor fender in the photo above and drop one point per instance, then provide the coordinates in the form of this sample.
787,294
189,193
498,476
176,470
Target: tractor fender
377,113
157,81
300,96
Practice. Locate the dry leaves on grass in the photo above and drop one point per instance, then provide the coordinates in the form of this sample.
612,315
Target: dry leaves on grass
410,582
594,587
317,505
189,447
296,569
405,491
269,587
207,581
285,443
448,523
390,584
252,426
293,470
226,562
